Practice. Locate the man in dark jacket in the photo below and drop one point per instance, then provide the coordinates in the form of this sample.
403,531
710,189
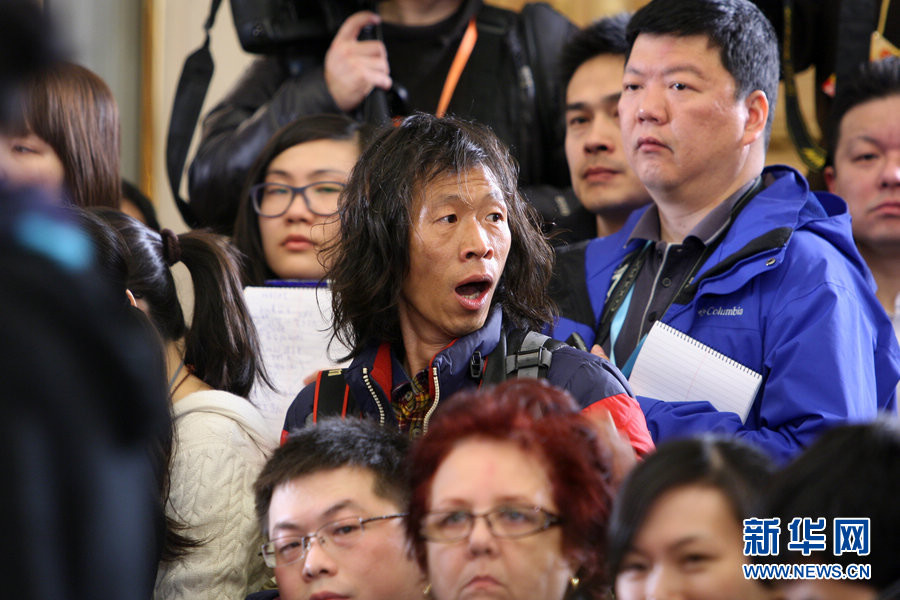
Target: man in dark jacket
439,259
506,81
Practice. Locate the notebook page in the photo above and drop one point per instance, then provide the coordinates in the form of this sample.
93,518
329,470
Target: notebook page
294,326
674,367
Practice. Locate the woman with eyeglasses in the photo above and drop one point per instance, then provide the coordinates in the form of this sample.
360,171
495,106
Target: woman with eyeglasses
510,497
288,211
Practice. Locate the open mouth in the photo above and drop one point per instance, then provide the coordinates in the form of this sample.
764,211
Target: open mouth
473,289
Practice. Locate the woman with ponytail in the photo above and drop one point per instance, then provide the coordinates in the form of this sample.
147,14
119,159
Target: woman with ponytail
220,437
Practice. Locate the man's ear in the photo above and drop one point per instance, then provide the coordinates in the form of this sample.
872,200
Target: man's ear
757,115
829,176
131,298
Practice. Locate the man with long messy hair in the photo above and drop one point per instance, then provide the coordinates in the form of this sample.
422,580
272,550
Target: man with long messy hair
440,258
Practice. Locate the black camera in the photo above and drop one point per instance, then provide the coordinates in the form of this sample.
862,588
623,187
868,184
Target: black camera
279,26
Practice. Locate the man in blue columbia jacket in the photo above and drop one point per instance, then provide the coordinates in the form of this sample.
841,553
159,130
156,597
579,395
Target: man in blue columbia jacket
743,259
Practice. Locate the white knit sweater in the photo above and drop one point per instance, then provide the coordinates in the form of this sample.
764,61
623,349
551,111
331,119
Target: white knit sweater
220,446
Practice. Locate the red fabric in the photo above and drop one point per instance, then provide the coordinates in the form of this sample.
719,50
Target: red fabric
315,412
629,419
381,370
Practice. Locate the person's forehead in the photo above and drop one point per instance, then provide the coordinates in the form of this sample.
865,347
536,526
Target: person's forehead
707,507
316,156
596,78
324,494
876,118
469,185
688,49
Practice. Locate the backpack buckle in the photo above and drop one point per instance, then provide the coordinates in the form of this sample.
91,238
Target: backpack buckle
476,365
524,359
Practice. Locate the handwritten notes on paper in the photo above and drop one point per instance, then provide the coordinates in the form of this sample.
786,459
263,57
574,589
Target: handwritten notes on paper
294,326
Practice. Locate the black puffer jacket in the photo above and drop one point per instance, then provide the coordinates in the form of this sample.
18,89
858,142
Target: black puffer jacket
509,83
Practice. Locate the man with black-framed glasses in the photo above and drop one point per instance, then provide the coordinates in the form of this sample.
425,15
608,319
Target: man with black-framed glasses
331,503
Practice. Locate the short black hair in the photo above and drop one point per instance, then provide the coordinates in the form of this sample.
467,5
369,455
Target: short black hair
870,81
744,36
604,36
333,443
731,466
849,471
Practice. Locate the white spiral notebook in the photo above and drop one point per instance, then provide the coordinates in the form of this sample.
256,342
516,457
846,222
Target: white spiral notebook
674,367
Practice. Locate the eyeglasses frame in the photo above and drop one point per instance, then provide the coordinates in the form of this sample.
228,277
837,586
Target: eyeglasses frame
306,540
254,200
550,520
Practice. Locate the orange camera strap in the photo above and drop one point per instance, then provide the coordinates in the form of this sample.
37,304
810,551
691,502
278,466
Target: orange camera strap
456,68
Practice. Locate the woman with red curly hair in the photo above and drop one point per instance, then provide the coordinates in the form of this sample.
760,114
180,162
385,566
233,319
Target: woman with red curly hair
511,496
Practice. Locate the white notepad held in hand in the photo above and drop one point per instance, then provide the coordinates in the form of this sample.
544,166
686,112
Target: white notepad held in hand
674,367
294,326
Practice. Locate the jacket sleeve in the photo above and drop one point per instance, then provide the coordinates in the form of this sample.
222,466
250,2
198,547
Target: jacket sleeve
828,361
265,99
594,383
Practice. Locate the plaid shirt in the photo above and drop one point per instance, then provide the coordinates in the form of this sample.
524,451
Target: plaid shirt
411,401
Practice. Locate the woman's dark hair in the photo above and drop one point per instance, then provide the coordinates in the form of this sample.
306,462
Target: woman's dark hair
545,422
739,471
221,345
111,251
848,472
75,112
305,129
141,202
370,259
113,257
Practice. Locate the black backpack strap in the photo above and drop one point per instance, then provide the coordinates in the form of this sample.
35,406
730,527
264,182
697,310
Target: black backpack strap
576,341
332,395
495,363
189,95
520,353
533,358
